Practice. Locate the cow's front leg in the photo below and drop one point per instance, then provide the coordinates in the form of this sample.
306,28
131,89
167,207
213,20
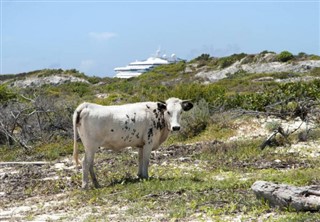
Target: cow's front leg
144,157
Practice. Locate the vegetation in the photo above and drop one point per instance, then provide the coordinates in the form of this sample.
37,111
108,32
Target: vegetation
204,172
285,56
6,94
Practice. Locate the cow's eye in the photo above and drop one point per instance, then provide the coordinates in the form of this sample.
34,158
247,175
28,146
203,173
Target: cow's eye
169,113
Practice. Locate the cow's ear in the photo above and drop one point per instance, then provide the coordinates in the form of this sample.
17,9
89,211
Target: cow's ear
186,105
162,106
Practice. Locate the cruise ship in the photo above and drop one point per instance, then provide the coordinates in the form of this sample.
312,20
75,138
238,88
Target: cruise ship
136,68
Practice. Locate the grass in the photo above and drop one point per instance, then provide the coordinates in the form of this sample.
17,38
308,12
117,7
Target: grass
45,152
208,182
213,184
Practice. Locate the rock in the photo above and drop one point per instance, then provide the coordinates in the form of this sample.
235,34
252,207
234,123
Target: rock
48,80
263,79
260,67
283,196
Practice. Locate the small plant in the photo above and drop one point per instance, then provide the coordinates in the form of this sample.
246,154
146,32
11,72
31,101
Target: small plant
272,126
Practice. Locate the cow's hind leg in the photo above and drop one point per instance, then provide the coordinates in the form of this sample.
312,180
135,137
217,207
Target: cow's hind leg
87,166
93,176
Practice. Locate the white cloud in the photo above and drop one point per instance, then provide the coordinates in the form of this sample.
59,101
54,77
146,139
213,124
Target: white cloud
102,36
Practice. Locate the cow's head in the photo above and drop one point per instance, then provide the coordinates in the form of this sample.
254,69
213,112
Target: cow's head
172,109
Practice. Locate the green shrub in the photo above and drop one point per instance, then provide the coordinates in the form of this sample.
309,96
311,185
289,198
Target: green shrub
80,88
266,52
302,55
6,94
213,94
315,57
94,79
196,120
285,56
225,62
315,72
203,56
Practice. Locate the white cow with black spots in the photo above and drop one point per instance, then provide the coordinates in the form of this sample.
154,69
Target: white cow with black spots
143,125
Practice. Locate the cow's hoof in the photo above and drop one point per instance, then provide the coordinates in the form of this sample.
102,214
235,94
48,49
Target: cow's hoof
97,186
143,177
85,187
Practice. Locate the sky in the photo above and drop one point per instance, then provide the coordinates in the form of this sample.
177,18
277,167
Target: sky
96,36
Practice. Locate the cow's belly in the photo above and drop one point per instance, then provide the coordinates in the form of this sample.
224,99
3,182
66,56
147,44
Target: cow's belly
118,143
119,139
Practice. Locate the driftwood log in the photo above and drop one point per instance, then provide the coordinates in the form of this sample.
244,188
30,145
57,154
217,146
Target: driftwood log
24,163
285,196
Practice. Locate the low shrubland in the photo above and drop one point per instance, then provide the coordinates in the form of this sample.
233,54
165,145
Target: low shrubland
204,172
51,107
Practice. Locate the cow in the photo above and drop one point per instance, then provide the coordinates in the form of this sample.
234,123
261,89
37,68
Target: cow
143,125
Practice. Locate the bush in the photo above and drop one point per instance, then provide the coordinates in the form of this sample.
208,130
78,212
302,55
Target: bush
285,56
80,88
203,56
315,57
228,61
213,94
196,120
266,52
38,120
6,94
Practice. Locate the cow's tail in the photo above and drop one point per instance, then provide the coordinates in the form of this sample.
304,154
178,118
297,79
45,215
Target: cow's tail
76,122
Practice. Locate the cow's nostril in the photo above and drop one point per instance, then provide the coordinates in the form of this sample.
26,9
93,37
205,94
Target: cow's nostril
176,128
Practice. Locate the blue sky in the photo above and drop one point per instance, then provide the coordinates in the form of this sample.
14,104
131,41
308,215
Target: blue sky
97,36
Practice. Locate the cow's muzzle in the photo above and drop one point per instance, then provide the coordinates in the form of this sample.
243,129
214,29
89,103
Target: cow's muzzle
176,128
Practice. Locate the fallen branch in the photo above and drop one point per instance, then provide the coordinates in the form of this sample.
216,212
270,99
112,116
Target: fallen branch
268,140
285,196
24,163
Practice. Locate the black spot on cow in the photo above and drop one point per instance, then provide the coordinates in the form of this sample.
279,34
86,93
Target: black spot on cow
148,107
127,116
127,137
134,118
150,133
137,136
112,130
156,113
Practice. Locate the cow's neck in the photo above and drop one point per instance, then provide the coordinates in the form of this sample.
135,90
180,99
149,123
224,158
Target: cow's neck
164,134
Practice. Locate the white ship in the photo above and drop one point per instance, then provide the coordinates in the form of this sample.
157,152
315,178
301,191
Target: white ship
136,68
